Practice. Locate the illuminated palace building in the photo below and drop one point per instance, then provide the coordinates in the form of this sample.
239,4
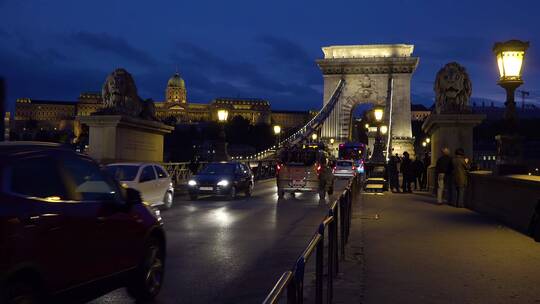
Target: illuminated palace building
32,114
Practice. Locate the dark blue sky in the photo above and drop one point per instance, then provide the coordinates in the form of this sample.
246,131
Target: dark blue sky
55,49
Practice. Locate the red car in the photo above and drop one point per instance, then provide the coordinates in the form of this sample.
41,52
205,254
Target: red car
65,223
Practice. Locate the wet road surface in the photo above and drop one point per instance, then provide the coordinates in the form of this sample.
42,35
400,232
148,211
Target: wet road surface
222,251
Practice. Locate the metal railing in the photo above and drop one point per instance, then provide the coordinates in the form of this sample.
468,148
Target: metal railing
181,172
339,215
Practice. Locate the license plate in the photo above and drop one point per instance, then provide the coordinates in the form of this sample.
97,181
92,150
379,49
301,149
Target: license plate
298,183
206,188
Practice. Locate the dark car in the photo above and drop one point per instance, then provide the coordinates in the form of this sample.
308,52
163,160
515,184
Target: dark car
65,223
222,178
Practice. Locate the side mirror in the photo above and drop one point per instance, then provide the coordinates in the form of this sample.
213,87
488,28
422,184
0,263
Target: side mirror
133,197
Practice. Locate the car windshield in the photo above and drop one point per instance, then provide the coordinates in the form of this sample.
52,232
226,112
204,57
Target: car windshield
123,172
217,169
344,164
306,157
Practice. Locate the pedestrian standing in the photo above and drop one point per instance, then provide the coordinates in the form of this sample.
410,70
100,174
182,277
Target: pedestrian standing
443,170
393,174
461,170
407,170
427,163
418,168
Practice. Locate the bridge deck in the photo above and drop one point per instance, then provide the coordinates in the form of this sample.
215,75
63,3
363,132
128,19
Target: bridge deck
418,252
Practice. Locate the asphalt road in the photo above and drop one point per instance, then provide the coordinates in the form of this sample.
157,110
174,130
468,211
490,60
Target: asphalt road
222,251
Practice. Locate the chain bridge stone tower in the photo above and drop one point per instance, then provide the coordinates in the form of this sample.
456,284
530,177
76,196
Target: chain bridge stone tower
376,74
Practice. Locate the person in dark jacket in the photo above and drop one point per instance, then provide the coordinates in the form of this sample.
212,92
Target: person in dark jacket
407,170
443,172
418,168
461,170
393,174
427,163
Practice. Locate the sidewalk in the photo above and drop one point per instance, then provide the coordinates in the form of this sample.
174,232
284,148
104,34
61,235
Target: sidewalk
406,249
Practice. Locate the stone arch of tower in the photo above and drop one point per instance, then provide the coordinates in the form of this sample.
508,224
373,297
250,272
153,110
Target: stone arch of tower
377,74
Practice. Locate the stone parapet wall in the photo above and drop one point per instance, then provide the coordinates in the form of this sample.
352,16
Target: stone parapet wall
511,199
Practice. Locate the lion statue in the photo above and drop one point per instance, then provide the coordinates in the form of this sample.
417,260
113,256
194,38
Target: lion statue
120,97
453,89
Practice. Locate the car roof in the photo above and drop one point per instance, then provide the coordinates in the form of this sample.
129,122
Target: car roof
132,164
11,147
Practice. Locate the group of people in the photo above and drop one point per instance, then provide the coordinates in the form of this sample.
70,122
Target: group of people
451,173
414,172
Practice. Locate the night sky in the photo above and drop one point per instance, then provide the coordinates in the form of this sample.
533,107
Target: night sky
56,49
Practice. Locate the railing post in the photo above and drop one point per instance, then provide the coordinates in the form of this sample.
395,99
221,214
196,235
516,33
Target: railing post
319,267
330,262
342,225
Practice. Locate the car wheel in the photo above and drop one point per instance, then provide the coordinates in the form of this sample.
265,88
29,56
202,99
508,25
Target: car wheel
148,277
232,193
249,190
21,291
168,200
193,196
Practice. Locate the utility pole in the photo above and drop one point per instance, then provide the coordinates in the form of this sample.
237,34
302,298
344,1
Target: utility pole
523,94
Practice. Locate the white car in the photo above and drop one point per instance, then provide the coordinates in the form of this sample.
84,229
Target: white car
151,180
345,169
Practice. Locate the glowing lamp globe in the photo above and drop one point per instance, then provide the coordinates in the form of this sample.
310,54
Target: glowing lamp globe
222,115
510,55
314,136
384,129
277,129
378,112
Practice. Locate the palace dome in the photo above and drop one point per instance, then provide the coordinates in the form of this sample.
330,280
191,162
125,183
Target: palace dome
176,81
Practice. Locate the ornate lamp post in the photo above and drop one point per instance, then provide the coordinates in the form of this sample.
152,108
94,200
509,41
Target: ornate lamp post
510,55
378,155
221,145
277,133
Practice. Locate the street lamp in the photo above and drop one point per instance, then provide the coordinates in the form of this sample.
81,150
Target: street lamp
314,136
277,133
510,56
332,141
221,146
424,144
367,126
428,140
378,112
222,115
378,155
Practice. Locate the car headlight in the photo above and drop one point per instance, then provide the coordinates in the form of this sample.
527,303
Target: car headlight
223,183
192,183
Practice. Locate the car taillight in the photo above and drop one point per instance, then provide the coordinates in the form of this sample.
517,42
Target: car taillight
278,167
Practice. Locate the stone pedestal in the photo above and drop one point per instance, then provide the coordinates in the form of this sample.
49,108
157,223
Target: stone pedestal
452,131
119,138
402,144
